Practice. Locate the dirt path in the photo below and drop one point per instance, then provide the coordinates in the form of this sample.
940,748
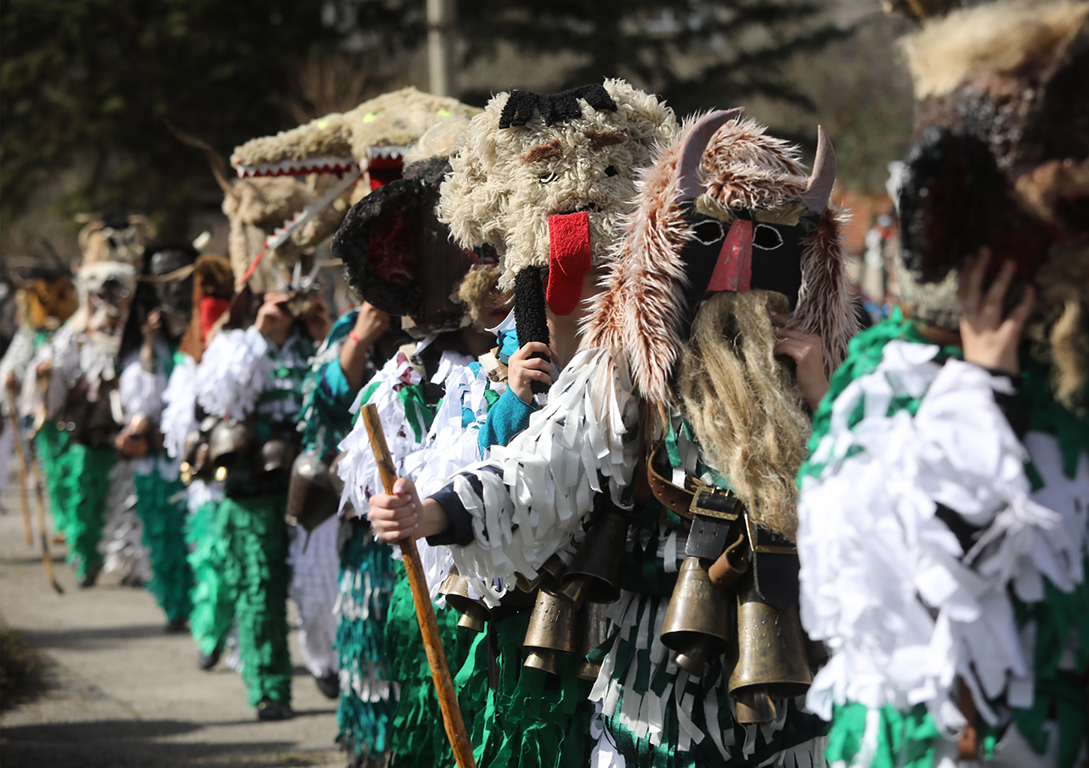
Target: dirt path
121,693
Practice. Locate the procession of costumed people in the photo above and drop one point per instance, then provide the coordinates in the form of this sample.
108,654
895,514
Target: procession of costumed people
671,506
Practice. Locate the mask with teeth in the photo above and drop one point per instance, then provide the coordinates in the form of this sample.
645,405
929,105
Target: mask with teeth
106,289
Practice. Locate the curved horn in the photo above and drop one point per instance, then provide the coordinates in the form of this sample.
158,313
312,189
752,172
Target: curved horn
215,159
818,190
688,170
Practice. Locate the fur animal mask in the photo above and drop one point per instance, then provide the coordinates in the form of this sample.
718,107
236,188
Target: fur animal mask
725,207
1002,160
114,236
106,291
529,160
329,154
47,299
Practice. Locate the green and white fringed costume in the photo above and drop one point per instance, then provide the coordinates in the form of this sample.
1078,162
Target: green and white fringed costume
531,499
87,467
160,494
242,373
407,398
51,441
942,555
211,598
326,418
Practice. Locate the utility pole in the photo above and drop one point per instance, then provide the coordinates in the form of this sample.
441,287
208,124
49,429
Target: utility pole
440,47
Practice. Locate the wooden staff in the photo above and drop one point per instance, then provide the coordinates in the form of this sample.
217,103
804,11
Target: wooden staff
43,535
425,612
24,502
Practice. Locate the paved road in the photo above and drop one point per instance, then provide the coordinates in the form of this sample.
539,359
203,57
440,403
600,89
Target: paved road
121,693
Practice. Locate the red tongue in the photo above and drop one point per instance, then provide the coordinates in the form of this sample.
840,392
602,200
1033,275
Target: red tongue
569,260
733,272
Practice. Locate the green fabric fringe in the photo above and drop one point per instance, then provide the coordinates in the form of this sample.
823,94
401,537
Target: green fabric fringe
418,737
214,589
160,504
87,484
531,719
56,466
257,552
361,644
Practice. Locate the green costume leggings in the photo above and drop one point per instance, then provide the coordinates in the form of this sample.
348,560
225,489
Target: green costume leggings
55,465
87,483
239,562
160,505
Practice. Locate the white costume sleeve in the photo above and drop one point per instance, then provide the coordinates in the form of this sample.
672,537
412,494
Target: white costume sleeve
535,493
902,607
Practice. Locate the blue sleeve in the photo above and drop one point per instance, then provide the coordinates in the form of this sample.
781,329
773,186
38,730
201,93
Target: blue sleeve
509,416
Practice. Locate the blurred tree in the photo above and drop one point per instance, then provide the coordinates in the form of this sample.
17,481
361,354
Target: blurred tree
90,83
695,53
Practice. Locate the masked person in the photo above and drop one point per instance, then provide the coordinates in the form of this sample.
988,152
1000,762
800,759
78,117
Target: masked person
44,302
249,381
160,495
661,472
82,364
943,531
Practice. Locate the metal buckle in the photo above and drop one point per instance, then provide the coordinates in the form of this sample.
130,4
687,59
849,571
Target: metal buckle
755,535
712,501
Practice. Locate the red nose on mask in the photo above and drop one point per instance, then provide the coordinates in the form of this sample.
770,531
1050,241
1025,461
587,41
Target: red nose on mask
733,271
569,260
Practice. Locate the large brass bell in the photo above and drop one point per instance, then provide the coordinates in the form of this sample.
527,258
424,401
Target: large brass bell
228,443
552,631
311,498
772,662
594,574
474,613
591,635
697,622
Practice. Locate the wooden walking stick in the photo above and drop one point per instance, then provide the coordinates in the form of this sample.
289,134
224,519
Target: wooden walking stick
425,612
24,502
43,534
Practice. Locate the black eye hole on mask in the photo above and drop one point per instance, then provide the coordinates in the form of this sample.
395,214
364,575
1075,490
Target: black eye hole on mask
766,237
708,231
610,171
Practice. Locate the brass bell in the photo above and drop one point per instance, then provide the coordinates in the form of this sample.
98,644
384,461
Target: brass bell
594,574
549,577
772,662
591,635
228,443
552,631
311,498
276,456
474,613
697,622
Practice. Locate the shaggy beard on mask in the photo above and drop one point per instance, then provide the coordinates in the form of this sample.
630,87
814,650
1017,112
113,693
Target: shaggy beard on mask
744,406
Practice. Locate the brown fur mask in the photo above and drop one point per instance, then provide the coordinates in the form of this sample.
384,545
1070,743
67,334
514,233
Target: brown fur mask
1002,160
744,406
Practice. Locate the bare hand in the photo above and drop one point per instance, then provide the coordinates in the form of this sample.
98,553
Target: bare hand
12,381
318,321
807,352
523,369
152,324
371,324
395,516
989,339
273,321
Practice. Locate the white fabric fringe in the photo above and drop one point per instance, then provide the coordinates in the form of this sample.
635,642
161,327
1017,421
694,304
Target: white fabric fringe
538,490
179,407
233,373
885,583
